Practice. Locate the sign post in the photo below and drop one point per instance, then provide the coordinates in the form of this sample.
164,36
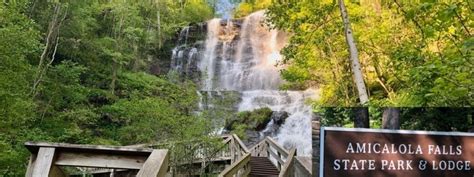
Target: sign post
360,152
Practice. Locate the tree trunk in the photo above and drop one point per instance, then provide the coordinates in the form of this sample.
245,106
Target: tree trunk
361,117
391,118
51,46
116,61
354,56
158,21
136,61
316,128
114,77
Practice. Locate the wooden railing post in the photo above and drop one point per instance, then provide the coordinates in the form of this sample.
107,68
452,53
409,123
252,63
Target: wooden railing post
278,162
240,168
316,126
232,150
156,164
287,169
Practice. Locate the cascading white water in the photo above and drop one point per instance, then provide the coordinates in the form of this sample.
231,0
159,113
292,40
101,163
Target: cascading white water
207,65
251,64
242,56
296,131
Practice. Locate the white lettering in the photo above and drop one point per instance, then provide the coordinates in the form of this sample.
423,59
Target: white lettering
385,150
377,148
348,164
350,149
460,165
384,164
337,166
402,149
371,164
360,148
458,150
450,165
409,165
345,163
354,165
418,150
430,149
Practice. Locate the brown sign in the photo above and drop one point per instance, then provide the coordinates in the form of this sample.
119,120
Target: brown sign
390,153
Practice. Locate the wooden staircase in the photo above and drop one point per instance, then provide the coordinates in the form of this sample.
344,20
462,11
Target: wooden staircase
262,167
265,159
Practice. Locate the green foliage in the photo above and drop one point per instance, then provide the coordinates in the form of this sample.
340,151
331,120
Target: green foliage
411,118
239,130
18,39
249,120
437,119
151,120
96,88
247,7
221,106
255,117
336,116
412,54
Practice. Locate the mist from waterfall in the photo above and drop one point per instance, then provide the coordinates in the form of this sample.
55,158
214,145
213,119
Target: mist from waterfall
242,55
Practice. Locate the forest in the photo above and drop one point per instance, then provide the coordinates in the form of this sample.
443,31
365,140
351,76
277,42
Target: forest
96,72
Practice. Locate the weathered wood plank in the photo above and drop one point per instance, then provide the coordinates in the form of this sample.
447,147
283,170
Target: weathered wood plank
275,145
44,162
235,167
287,169
31,165
232,151
84,159
34,146
303,166
275,156
156,165
241,144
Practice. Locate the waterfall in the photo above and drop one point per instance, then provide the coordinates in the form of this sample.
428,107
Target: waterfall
242,56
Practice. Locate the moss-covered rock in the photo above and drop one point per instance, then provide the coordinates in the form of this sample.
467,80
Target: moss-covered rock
255,120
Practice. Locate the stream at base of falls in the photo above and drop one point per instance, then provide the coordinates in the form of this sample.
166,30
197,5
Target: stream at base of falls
240,56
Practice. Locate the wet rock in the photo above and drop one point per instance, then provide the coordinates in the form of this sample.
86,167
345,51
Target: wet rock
279,117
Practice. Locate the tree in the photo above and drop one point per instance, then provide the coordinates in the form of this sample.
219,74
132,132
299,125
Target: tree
354,56
77,72
51,45
361,118
409,53
19,39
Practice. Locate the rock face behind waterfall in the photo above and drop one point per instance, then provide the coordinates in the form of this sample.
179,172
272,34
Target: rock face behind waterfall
241,55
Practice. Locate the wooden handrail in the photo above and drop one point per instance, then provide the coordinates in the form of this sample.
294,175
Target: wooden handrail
226,141
240,143
155,165
259,150
277,147
242,164
270,149
257,145
192,141
301,168
287,169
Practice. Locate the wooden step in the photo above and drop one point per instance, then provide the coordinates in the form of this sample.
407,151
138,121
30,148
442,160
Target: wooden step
262,167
